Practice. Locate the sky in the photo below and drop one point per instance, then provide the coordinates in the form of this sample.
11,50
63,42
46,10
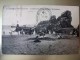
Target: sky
27,14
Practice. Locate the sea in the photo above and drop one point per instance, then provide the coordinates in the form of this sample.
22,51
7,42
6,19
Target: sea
8,30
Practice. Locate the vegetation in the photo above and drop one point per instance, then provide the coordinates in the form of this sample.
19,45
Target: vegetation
56,24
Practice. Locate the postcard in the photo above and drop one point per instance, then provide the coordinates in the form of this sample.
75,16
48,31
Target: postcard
40,30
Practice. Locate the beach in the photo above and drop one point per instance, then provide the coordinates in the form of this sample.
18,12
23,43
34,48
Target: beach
24,44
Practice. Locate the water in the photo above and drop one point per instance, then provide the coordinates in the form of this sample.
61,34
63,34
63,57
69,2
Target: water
7,30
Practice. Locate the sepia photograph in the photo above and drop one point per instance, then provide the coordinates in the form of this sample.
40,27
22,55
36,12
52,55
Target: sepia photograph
40,30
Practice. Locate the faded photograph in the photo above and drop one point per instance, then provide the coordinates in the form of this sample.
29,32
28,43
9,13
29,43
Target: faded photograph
40,30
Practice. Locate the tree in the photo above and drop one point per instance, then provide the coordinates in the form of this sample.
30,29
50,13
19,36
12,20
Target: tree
52,24
53,19
18,28
65,19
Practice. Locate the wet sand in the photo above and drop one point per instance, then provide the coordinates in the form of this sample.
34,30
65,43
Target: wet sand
22,44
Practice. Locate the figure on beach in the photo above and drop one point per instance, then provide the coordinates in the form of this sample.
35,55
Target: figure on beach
37,39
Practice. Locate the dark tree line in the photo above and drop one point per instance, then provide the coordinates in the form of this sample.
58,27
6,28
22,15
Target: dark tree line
63,21
57,24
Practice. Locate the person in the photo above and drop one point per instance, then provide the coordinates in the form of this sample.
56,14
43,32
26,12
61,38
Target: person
22,32
59,36
37,39
30,31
